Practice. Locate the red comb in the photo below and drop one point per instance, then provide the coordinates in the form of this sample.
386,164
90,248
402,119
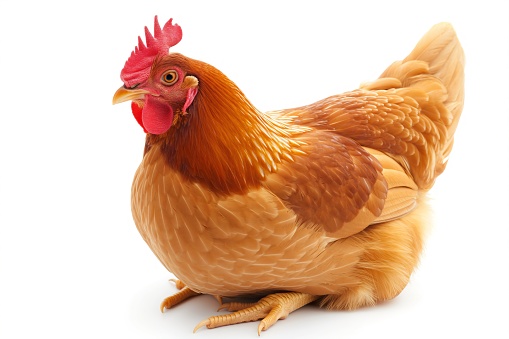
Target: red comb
137,67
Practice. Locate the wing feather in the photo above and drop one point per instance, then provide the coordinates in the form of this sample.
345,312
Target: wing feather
402,191
335,185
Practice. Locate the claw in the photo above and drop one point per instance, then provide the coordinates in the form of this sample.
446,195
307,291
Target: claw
202,323
262,327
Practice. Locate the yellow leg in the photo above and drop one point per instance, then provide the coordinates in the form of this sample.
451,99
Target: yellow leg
270,309
183,294
234,306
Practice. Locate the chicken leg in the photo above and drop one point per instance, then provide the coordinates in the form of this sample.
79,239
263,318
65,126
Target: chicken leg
270,309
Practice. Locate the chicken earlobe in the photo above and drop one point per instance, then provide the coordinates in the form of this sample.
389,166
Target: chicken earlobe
192,83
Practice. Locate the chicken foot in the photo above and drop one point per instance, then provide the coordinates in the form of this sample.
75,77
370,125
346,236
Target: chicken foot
183,294
270,309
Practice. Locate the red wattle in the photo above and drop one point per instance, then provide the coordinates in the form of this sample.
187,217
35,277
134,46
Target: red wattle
137,112
157,116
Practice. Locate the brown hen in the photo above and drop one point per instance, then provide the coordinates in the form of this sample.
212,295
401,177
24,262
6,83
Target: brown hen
322,203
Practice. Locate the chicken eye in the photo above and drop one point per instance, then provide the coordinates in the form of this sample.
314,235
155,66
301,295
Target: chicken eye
169,77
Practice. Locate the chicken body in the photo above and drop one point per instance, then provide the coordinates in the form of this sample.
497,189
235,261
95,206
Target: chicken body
245,244
326,200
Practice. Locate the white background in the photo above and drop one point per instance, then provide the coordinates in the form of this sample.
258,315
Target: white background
72,264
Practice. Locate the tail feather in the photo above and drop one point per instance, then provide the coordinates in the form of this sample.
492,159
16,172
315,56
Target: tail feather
410,112
437,56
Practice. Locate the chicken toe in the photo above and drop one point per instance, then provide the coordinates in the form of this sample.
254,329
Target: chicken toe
183,294
270,309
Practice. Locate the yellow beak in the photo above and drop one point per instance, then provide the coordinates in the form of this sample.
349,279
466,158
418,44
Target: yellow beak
123,94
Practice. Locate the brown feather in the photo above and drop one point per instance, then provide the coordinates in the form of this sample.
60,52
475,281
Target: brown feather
335,184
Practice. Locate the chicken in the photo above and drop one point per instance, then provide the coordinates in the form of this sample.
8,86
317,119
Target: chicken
323,203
